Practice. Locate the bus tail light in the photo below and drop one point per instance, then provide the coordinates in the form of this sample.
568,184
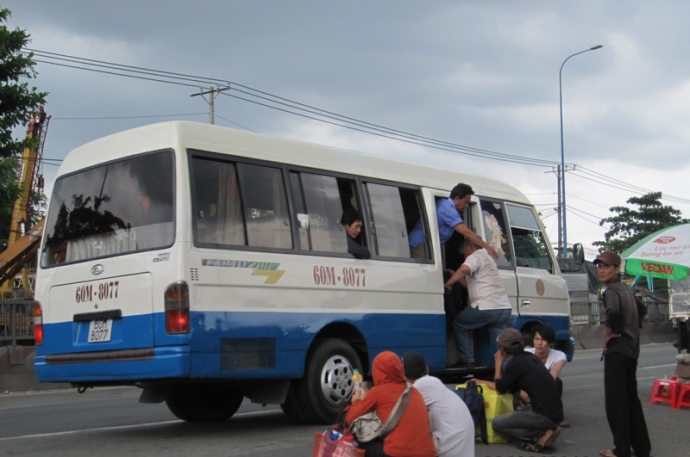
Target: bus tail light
177,308
38,324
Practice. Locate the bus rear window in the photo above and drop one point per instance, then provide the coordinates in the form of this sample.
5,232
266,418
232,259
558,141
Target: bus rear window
112,209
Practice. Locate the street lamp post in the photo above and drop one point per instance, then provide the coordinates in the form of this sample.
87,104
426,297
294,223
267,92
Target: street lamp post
561,190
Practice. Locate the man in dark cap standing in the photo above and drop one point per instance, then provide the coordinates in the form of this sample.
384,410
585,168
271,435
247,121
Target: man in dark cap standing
621,350
536,427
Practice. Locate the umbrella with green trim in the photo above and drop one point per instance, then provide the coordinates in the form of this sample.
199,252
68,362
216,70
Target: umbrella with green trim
663,254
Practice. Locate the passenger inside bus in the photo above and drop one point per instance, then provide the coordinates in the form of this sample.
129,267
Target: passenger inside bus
152,218
449,218
351,220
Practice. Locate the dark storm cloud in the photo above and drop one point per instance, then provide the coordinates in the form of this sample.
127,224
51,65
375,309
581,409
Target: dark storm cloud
477,73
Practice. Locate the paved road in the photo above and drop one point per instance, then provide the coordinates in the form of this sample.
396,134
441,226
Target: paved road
111,422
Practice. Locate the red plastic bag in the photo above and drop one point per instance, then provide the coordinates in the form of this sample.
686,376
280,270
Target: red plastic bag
345,446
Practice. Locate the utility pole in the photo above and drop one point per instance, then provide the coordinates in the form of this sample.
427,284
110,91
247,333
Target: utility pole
563,166
211,92
559,211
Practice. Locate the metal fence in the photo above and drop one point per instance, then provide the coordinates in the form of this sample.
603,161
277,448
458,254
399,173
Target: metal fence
592,313
17,323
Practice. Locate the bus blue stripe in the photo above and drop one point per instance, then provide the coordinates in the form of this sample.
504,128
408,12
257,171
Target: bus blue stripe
199,353
199,357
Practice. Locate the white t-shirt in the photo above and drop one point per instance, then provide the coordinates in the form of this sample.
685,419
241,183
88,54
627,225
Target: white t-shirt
484,283
554,356
451,422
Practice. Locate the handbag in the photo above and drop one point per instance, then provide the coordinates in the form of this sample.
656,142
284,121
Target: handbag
369,427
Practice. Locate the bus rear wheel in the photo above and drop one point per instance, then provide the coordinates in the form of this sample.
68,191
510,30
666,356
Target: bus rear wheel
203,402
327,383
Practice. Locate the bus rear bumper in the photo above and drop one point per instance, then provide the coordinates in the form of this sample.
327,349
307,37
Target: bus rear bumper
114,366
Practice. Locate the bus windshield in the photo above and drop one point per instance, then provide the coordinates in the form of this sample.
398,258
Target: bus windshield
116,208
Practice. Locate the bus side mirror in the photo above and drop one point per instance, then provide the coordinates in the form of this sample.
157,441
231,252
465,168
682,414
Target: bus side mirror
579,253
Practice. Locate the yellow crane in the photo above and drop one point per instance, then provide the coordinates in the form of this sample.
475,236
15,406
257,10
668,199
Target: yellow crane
22,244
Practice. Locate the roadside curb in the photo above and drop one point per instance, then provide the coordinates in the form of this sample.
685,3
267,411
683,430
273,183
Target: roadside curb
592,336
17,371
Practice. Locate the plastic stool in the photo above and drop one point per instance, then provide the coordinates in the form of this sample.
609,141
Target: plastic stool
681,400
665,391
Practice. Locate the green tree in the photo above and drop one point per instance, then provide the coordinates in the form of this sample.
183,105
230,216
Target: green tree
631,225
17,99
9,192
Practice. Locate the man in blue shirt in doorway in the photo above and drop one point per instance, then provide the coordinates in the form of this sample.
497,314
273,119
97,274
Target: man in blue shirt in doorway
449,217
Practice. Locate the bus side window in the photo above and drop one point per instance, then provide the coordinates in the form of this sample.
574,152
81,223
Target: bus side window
394,212
265,206
300,209
319,208
412,209
349,194
530,245
219,217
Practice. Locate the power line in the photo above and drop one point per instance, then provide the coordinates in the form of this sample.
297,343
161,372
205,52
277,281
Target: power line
43,160
122,117
235,123
608,178
582,214
277,103
417,139
618,184
590,202
115,73
126,68
265,99
456,149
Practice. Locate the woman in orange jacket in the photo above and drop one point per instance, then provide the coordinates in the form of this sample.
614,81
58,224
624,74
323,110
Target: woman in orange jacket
411,437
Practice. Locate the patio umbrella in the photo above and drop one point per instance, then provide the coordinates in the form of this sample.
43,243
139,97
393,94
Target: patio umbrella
663,254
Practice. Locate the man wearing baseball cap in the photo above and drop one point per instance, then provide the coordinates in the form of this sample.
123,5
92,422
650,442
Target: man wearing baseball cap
621,350
537,427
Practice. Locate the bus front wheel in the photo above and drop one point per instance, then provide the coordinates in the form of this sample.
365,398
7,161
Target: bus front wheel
203,402
327,381
294,403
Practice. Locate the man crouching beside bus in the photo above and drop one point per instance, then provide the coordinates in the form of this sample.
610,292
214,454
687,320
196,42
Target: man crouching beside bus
536,427
489,304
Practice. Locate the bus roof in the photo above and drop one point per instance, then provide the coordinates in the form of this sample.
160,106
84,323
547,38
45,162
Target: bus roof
181,135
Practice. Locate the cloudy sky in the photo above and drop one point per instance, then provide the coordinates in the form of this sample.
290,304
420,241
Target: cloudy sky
480,74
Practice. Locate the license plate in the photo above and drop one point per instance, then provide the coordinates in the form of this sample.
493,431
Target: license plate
99,330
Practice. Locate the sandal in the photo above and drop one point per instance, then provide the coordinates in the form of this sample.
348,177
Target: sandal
531,446
607,453
564,424
552,439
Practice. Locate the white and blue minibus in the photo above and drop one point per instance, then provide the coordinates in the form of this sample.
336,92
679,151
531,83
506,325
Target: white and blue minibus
207,265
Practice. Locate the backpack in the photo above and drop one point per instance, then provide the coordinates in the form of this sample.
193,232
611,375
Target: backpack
471,394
